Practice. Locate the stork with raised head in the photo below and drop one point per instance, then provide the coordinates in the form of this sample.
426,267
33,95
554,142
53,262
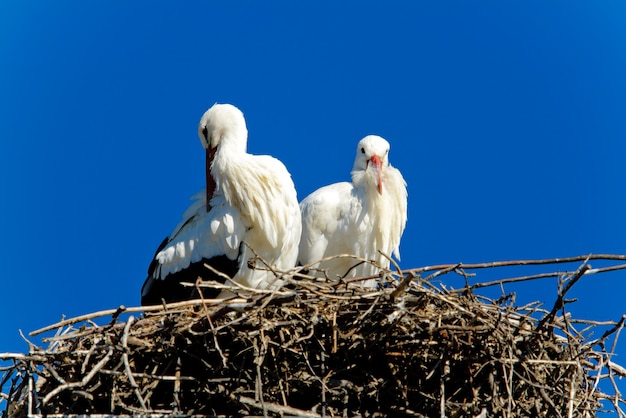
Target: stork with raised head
362,218
249,208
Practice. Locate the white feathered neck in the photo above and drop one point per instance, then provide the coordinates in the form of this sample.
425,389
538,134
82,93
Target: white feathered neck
251,183
390,206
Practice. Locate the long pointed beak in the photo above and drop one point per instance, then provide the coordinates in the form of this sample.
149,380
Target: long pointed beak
210,181
378,166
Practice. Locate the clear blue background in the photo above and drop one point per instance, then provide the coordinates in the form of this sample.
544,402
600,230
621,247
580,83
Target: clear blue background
507,119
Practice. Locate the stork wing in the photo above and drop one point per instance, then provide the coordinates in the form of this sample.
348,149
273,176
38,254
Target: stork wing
201,235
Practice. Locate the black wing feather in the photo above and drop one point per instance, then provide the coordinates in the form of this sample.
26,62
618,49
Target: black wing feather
169,289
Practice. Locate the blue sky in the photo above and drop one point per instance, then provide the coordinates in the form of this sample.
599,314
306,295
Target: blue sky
507,119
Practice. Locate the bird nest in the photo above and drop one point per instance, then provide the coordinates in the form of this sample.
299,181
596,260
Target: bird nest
331,348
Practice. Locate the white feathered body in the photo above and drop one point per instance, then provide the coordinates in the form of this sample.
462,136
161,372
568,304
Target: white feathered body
354,218
254,210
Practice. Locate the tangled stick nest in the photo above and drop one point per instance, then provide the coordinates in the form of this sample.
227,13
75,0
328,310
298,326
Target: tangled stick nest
328,348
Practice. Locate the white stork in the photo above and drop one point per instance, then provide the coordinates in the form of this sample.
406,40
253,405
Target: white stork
359,218
249,206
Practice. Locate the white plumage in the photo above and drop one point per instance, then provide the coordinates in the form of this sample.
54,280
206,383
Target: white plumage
359,218
251,200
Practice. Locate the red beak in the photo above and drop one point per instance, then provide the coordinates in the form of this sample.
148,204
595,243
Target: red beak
210,181
378,166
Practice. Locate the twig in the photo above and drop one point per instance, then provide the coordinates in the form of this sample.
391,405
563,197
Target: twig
559,301
99,314
22,357
214,333
129,373
511,263
403,285
275,408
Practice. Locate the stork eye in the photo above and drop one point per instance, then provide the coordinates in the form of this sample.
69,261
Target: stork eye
362,150
204,133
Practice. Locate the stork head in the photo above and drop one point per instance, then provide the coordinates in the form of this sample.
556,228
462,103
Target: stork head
372,157
223,125
222,121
